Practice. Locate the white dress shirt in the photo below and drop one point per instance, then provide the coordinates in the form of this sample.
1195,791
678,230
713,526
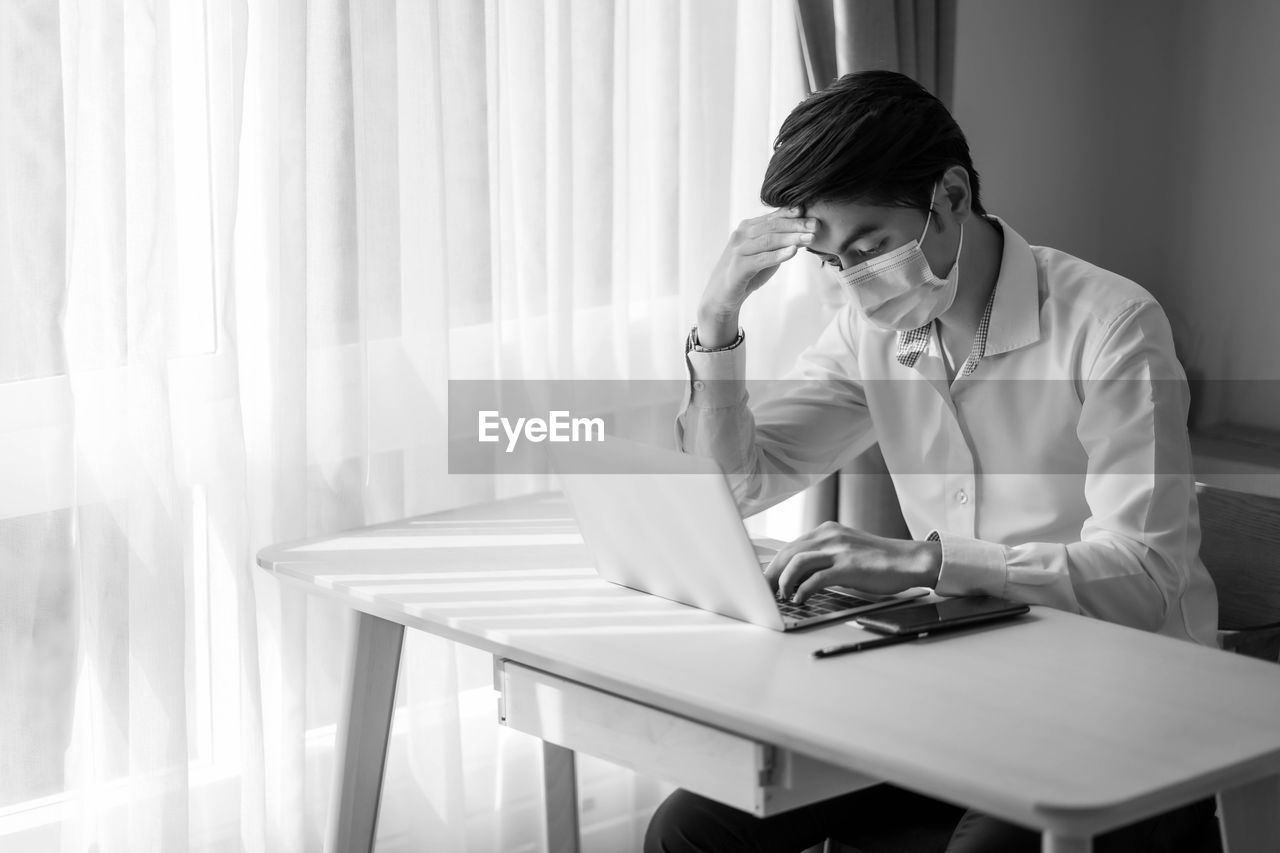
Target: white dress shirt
1056,471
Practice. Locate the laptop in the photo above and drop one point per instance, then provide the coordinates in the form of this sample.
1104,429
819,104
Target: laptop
665,523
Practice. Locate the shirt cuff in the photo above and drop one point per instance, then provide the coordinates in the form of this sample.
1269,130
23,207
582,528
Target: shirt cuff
717,379
970,566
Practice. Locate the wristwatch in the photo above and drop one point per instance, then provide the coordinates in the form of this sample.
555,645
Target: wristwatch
692,345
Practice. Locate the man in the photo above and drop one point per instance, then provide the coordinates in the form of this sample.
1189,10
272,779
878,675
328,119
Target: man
1029,407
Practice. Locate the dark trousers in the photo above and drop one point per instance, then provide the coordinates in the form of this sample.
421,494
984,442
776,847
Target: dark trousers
888,819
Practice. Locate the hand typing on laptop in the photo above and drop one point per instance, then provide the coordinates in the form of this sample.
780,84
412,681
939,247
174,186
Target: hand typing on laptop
834,555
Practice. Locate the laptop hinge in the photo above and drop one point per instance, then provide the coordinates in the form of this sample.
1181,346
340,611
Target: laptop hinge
500,685
768,762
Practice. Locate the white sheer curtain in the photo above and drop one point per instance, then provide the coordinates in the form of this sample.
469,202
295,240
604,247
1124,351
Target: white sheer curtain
245,246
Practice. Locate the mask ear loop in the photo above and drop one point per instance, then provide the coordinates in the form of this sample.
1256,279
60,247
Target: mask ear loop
929,218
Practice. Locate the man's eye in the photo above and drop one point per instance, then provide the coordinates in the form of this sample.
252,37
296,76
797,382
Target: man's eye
869,253
828,260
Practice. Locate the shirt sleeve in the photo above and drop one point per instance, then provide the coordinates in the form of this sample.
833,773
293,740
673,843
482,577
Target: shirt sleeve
804,427
1139,545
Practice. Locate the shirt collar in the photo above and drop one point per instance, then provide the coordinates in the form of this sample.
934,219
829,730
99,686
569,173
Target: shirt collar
1015,312
911,344
1012,316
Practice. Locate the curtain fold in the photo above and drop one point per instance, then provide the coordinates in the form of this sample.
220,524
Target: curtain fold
917,38
247,245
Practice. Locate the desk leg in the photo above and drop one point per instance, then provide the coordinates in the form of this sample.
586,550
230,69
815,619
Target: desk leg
560,798
1250,817
363,732
1051,843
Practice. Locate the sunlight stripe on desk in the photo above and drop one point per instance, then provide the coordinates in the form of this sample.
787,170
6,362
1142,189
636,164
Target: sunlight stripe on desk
463,524
595,601
722,626
481,586
650,614
432,577
478,540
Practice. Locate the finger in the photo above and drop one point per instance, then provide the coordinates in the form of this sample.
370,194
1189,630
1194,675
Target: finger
800,225
788,223
781,219
816,582
799,568
748,227
779,562
765,260
774,570
771,240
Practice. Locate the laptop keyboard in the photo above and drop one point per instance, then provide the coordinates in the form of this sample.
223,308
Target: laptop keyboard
820,603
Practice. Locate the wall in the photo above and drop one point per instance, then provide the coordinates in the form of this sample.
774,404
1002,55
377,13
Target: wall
1138,135
1225,216
1019,95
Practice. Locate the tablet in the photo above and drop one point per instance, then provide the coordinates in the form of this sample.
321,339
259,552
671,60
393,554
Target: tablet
942,615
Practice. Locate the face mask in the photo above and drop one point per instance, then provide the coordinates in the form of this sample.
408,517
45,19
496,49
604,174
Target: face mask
898,291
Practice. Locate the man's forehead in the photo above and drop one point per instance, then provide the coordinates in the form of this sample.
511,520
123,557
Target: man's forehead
852,214
849,219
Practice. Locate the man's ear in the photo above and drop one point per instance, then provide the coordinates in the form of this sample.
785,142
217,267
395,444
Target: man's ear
955,185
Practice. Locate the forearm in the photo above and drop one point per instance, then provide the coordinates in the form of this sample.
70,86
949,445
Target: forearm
1108,578
783,444
717,324
728,435
927,562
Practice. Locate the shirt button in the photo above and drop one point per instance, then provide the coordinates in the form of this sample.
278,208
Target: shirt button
698,385
962,497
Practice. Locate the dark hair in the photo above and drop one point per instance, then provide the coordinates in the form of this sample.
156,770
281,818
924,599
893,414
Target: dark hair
876,137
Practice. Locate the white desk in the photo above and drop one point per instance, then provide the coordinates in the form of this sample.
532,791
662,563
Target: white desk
1058,722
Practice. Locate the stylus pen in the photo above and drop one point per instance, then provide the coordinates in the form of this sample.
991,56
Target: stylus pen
864,645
